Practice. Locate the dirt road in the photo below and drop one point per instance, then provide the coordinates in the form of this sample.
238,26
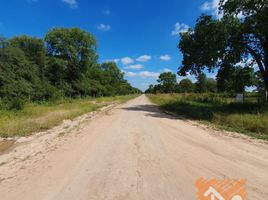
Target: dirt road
137,152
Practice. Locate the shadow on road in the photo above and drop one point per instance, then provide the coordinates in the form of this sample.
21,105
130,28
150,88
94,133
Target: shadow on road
152,111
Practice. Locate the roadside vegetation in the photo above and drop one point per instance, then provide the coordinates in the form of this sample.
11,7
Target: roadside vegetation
36,117
63,64
46,80
249,117
235,47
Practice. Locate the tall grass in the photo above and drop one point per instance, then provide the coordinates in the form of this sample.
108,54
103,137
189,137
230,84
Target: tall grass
37,117
250,117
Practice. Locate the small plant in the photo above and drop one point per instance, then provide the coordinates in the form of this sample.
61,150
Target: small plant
16,104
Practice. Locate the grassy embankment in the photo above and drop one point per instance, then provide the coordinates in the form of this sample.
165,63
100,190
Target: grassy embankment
38,117
249,118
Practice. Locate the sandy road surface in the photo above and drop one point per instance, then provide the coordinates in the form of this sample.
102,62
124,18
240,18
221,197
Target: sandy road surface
137,152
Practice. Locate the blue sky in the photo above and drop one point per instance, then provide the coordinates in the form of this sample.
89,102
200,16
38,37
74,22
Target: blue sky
140,35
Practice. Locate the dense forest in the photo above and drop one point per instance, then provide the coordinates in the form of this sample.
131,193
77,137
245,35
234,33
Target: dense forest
63,64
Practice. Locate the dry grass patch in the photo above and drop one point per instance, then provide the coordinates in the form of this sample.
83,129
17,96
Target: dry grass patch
38,117
250,118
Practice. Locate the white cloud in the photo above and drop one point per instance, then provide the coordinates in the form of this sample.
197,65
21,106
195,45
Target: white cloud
144,58
165,57
167,70
206,6
212,7
143,74
130,74
148,74
104,27
137,66
71,3
191,77
179,28
127,60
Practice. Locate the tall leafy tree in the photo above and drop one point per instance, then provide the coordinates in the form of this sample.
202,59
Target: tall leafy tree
33,49
17,75
73,52
201,84
168,81
233,79
228,40
185,86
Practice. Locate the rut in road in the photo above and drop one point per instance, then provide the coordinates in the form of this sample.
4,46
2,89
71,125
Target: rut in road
138,152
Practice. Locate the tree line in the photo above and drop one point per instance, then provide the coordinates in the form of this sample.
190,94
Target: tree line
63,64
231,81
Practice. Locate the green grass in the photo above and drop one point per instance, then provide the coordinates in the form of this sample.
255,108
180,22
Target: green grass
249,118
38,117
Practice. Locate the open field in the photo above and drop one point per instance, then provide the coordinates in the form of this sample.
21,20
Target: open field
249,118
38,117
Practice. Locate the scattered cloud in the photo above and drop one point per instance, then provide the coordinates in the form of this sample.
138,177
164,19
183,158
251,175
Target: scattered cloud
127,60
144,58
104,27
130,74
148,74
165,57
206,6
106,12
167,70
72,3
143,74
137,67
212,7
179,28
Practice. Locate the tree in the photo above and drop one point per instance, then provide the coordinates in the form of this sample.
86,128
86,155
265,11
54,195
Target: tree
201,84
150,90
228,40
233,79
17,75
186,86
211,85
33,49
168,81
64,65
73,53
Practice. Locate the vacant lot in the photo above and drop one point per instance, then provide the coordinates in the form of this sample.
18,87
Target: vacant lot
37,117
250,118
